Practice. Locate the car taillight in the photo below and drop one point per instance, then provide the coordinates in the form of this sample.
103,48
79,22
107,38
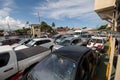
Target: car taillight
17,76
99,46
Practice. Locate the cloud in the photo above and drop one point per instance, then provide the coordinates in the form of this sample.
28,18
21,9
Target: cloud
6,7
9,21
59,9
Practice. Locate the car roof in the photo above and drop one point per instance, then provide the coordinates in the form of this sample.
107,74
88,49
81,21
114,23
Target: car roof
97,37
74,53
70,38
37,39
5,48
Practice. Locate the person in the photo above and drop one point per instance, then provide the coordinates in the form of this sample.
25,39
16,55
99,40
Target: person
35,35
116,46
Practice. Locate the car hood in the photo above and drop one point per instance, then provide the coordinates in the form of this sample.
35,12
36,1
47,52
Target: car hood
15,45
20,47
57,46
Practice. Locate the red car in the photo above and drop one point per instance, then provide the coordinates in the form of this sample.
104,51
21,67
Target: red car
9,41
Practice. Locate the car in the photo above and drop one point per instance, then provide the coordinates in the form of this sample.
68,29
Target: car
67,42
66,63
9,41
22,42
63,37
96,42
44,42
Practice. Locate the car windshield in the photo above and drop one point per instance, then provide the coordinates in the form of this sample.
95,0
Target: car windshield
93,40
96,40
99,41
31,43
22,41
53,68
64,42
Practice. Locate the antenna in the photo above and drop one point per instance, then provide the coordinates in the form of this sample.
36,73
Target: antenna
38,17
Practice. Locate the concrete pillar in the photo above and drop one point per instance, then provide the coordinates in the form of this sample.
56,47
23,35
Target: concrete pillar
117,74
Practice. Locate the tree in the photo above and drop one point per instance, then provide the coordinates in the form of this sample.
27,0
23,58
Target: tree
53,24
44,26
102,27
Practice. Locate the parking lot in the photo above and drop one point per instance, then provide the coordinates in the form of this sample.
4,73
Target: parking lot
90,54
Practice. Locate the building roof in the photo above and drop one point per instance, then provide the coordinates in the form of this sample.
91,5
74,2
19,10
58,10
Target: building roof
74,53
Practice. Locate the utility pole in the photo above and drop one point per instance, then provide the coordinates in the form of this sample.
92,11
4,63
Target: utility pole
39,23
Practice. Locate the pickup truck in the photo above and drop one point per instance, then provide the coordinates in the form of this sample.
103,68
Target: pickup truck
13,62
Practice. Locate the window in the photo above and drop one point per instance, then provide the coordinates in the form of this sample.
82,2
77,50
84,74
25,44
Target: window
76,41
4,58
42,42
46,41
54,68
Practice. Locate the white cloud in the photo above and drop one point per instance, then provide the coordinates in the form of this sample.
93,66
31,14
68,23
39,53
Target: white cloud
6,7
14,24
58,9
5,10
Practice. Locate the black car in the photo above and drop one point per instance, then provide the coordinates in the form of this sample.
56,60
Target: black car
66,63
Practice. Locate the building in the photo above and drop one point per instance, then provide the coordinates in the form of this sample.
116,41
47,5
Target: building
35,30
109,10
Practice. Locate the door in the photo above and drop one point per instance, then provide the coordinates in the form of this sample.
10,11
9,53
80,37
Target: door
7,66
44,43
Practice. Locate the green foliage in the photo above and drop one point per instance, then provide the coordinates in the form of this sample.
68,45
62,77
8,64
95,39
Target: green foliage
46,28
102,27
22,31
53,24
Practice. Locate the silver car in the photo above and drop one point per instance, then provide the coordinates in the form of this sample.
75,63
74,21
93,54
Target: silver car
67,42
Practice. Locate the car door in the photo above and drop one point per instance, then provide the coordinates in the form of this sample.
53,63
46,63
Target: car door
8,66
46,43
84,69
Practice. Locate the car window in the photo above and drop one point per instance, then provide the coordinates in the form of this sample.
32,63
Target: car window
4,58
92,40
76,41
31,43
84,69
64,43
53,68
42,42
99,41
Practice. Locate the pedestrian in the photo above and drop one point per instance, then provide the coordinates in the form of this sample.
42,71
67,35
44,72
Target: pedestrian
116,46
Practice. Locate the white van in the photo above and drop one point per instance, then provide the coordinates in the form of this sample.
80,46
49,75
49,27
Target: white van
80,32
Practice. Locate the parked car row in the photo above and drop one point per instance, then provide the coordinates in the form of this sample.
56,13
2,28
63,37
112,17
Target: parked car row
64,59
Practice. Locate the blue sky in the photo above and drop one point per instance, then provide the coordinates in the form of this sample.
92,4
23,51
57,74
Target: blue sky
71,13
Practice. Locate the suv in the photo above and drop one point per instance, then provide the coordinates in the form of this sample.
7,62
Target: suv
44,42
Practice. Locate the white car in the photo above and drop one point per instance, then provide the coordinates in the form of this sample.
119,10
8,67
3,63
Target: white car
96,42
44,42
